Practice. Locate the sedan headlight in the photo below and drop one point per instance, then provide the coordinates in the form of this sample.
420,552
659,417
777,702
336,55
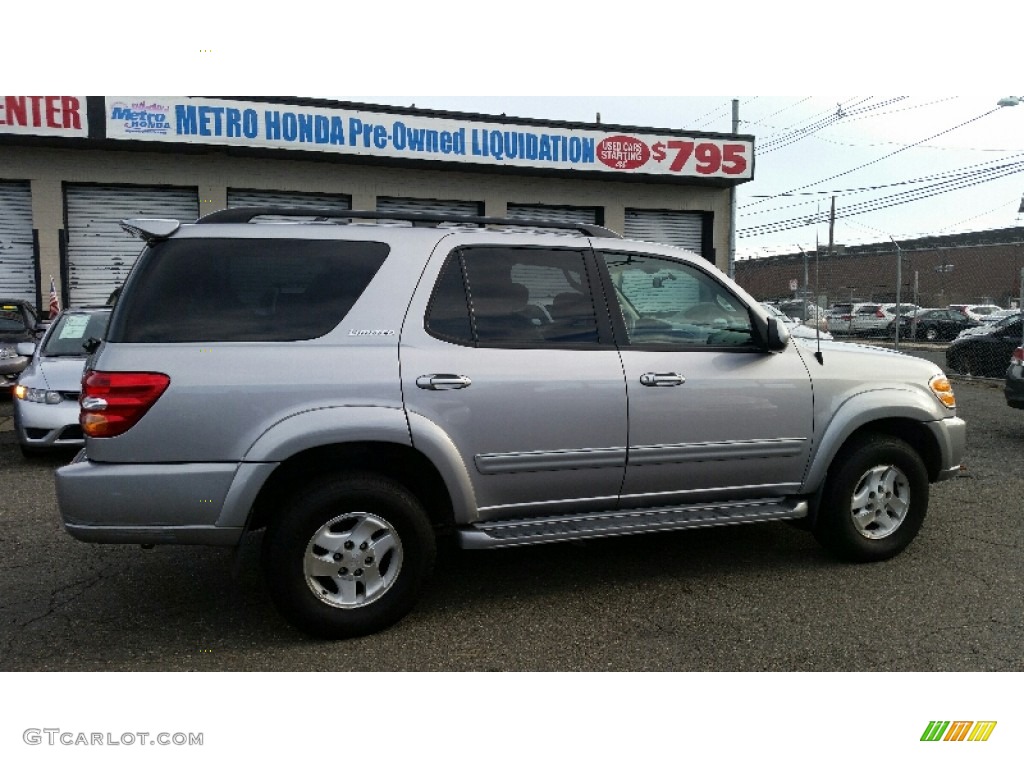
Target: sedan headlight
48,396
7,352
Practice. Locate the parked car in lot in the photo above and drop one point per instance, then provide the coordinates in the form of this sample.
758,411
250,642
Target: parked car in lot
849,319
1013,388
18,323
979,312
46,405
360,391
995,317
797,329
993,321
932,324
986,350
807,313
877,323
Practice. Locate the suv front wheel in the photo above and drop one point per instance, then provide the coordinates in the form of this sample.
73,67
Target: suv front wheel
348,555
875,500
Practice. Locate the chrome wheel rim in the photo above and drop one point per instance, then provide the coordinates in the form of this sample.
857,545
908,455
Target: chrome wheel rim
880,501
352,560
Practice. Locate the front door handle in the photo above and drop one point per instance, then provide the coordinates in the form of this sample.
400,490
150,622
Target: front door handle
661,380
438,381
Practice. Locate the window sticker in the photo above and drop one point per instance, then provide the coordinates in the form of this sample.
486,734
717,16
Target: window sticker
74,327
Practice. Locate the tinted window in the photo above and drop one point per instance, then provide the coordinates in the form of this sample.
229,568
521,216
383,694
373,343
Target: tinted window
496,296
244,290
669,302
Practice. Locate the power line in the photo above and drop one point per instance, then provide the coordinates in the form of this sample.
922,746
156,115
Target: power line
966,171
885,157
882,203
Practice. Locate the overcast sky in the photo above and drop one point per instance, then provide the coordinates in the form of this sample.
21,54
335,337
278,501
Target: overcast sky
898,166
935,163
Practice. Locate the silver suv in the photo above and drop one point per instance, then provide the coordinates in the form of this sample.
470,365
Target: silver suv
360,390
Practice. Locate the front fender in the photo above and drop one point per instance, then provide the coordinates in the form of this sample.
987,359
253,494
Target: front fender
862,409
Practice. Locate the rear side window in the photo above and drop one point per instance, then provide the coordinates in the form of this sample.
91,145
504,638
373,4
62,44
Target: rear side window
492,296
244,290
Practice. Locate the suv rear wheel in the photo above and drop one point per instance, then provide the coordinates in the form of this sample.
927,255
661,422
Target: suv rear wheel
875,500
348,555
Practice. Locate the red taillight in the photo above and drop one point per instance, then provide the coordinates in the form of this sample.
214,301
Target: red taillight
879,313
112,403
1018,356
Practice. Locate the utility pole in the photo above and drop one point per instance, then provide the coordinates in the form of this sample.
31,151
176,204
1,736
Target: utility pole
732,198
899,280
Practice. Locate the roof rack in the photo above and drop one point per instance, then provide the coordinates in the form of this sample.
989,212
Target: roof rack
245,215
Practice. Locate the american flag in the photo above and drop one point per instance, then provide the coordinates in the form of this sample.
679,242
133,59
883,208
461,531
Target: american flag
54,300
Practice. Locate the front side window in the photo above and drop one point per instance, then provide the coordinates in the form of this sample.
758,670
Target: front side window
274,289
494,296
666,302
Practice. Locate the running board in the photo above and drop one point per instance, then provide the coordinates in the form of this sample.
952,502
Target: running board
543,530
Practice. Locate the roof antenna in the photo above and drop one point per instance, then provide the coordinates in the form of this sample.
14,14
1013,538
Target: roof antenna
817,320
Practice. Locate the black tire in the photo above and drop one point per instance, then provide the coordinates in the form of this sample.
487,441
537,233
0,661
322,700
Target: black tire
862,524
375,532
931,334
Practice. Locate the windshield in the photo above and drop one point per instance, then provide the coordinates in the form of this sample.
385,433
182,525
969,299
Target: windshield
71,330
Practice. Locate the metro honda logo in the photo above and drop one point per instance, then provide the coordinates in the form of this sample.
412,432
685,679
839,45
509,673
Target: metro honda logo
140,117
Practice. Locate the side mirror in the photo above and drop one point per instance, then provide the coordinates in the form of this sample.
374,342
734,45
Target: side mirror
778,335
25,348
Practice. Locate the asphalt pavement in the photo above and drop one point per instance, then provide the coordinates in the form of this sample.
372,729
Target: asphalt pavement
745,598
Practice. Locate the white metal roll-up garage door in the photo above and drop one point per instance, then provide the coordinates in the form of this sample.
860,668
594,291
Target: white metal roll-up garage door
259,198
684,230
417,205
563,213
100,253
17,256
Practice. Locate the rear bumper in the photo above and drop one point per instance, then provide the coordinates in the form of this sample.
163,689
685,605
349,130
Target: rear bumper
157,503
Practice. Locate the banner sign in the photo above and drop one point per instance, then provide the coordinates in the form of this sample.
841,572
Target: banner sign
44,115
422,137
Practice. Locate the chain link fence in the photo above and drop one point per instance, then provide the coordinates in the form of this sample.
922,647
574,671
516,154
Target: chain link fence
935,272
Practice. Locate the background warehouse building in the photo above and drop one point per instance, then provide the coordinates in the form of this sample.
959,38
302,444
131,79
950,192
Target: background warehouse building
71,167
970,268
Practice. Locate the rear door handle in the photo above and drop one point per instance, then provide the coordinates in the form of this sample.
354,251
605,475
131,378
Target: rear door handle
662,380
438,381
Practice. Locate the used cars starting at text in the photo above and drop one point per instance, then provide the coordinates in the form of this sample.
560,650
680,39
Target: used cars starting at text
360,391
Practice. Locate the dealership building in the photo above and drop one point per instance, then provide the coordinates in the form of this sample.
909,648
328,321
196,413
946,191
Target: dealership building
72,167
